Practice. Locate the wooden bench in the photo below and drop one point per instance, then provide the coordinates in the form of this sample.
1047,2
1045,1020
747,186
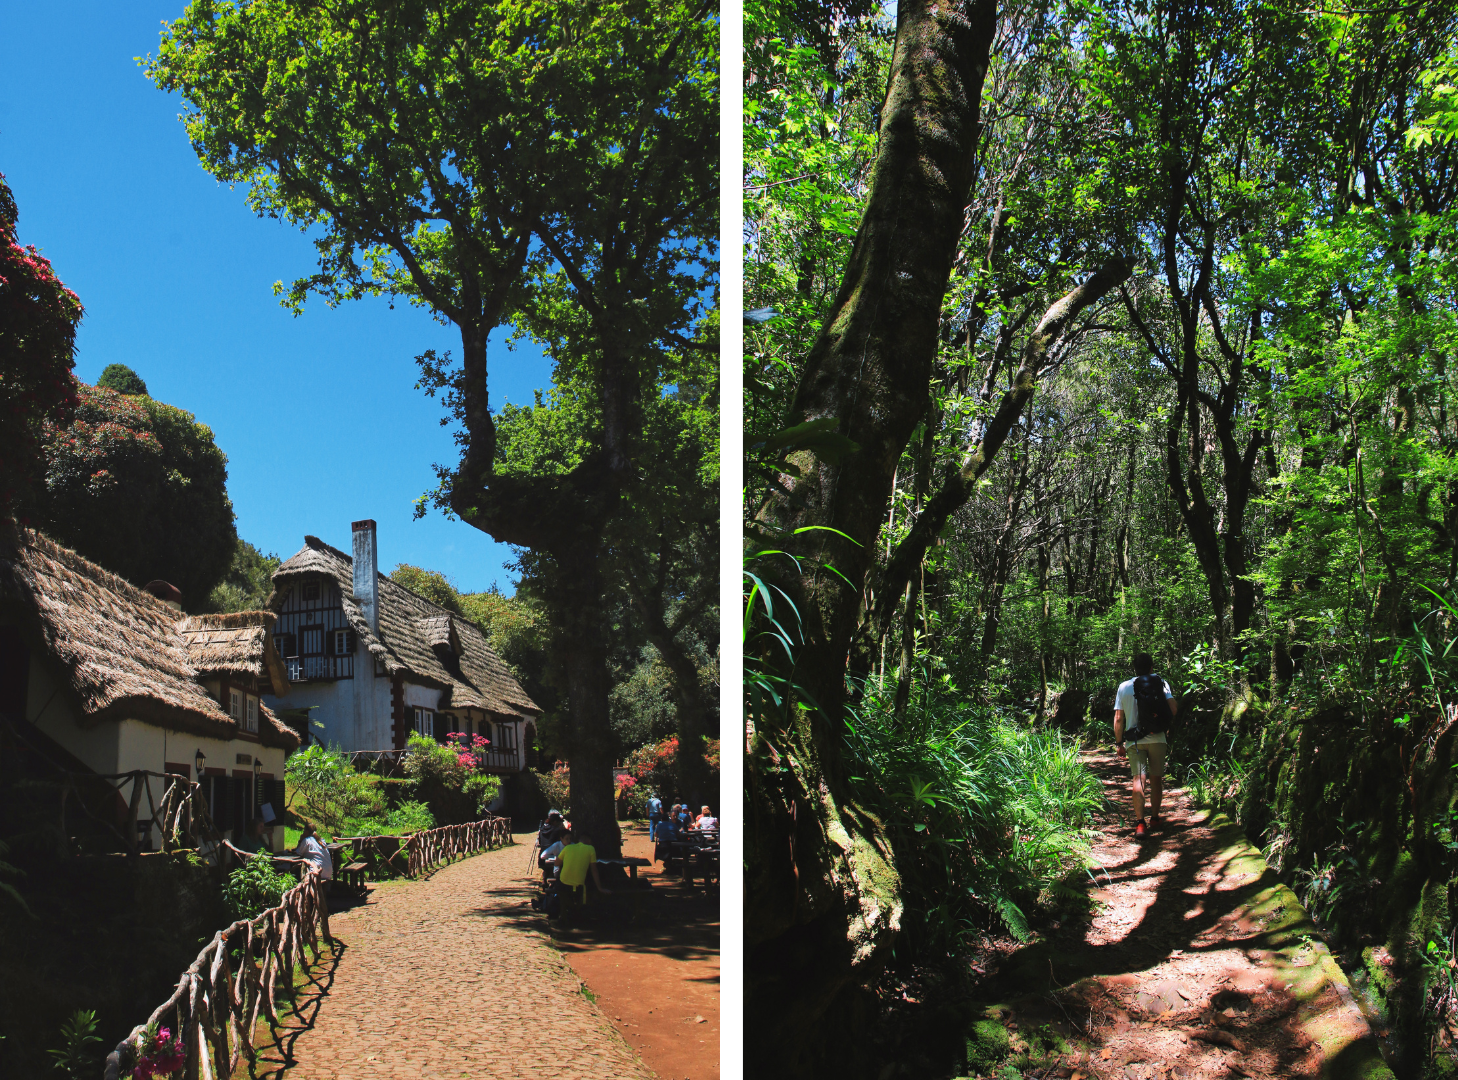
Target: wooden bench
354,874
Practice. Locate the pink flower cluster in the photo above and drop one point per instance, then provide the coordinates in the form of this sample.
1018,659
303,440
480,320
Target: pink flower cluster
469,743
160,1055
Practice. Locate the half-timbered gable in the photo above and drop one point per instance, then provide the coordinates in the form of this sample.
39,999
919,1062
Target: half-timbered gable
371,661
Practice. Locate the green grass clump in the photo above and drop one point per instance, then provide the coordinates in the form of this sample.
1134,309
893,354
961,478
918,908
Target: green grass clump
989,815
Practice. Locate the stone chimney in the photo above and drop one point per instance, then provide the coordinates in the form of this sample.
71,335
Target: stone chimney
367,573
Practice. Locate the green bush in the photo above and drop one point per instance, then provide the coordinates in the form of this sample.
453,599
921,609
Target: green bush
253,888
989,815
410,817
482,790
325,788
440,780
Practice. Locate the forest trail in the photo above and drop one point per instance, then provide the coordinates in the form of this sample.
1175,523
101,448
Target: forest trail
1196,963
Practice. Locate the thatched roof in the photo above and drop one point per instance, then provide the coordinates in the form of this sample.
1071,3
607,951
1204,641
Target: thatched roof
124,652
421,640
239,643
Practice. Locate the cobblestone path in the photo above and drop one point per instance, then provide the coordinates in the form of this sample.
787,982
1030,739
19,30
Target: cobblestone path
446,977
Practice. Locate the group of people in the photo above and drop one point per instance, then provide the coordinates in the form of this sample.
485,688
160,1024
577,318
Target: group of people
566,856
675,826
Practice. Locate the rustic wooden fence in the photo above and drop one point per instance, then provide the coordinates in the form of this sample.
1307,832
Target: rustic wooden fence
435,846
214,1009
182,815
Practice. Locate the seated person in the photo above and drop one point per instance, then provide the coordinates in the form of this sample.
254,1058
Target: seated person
685,819
317,855
253,839
577,860
548,860
551,830
707,822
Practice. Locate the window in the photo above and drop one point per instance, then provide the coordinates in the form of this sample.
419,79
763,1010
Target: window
311,590
312,638
250,720
285,644
506,736
235,703
341,643
425,723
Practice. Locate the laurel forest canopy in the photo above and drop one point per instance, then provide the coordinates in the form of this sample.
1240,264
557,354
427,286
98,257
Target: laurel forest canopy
517,163
1076,330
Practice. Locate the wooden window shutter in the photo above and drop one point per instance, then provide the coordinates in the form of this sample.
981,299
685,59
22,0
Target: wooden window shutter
221,804
353,640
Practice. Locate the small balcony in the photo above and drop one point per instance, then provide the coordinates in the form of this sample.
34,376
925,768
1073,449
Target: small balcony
319,668
503,760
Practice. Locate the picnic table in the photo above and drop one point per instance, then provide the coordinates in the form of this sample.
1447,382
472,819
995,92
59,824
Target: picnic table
697,849
631,862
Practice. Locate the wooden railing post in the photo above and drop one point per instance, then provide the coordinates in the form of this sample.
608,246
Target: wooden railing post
133,843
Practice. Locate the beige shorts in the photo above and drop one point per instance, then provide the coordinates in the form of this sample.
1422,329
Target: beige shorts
1147,758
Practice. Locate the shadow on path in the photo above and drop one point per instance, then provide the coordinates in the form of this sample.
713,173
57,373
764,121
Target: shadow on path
1195,961
311,987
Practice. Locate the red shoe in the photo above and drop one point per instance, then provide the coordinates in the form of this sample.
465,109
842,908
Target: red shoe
1153,821
1140,829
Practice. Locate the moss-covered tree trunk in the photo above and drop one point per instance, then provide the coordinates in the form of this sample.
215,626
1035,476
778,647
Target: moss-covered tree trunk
822,902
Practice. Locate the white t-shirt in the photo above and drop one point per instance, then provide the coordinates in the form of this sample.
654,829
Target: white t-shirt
707,822
553,851
317,854
1124,699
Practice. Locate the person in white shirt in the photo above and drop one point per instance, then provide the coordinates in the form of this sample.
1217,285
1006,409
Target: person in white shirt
1146,753
706,821
550,867
317,855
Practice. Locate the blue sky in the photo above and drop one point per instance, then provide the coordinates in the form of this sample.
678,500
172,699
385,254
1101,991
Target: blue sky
318,414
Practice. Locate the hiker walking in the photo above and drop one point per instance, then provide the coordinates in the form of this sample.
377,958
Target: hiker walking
1144,708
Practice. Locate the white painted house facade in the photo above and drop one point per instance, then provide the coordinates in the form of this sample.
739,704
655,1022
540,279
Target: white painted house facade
98,676
371,661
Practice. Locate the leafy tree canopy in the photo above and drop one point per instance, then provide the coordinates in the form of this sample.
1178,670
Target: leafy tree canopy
38,320
248,582
122,379
140,487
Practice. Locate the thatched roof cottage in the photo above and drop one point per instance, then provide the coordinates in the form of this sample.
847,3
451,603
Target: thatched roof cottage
100,675
373,661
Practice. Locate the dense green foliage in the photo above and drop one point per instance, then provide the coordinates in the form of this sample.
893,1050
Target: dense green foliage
38,319
324,788
448,781
495,161
253,888
140,487
248,582
122,379
1243,458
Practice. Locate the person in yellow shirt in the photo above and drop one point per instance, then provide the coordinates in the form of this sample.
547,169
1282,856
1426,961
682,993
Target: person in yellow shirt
577,858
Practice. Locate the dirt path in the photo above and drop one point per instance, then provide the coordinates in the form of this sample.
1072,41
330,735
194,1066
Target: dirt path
657,979
1196,963
447,977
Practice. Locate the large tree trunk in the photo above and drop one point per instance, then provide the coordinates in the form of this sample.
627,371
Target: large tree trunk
822,904
578,601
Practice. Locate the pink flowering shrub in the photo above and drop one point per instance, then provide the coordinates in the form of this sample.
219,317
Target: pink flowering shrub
38,318
159,1053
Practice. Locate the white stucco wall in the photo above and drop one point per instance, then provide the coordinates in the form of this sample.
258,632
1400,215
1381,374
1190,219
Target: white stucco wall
424,697
355,712
48,707
118,746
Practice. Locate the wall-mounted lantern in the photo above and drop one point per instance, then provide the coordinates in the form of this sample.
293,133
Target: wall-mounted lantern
200,761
